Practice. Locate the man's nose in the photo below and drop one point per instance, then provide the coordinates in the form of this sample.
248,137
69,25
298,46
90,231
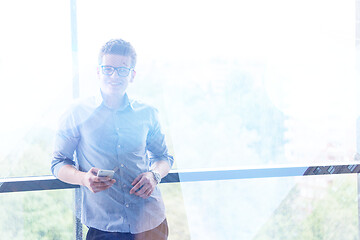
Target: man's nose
115,75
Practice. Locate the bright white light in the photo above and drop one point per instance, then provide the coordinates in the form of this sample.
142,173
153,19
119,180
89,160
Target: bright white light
35,65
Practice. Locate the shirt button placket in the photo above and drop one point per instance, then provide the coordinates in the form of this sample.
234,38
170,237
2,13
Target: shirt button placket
117,130
120,168
118,148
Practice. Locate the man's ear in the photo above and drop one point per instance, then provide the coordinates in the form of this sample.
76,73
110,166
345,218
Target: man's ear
133,75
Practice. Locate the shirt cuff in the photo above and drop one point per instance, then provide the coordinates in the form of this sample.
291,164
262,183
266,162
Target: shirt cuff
169,159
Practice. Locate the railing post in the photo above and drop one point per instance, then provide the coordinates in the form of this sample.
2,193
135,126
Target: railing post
77,215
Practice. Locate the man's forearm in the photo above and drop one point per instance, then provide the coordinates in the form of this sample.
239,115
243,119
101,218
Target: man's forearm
162,167
70,174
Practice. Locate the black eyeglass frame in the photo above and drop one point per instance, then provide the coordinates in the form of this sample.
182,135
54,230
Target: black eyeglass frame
117,69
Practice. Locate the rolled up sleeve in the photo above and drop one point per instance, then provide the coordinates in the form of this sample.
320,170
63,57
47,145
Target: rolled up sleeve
66,141
156,144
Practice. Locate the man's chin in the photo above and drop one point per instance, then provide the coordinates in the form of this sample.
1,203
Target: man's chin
114,91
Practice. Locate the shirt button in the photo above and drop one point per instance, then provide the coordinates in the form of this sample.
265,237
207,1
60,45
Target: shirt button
122,165
124,185
118,146
127,205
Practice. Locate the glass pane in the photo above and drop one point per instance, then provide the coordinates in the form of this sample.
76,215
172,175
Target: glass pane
237,82
37,215
316,207
35,73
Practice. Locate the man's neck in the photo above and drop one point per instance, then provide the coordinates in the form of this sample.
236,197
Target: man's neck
114,101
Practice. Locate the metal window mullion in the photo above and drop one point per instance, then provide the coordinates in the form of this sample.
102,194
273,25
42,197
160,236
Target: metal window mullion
357,49
76,93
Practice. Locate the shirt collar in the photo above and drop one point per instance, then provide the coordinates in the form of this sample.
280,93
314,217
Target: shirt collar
99,100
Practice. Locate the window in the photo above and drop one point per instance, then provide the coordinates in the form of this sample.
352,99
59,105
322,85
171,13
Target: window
238,84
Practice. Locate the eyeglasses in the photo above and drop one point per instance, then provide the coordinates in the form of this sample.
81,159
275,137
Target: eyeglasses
121,71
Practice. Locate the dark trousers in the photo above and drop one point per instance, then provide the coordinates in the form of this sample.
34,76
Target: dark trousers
161,232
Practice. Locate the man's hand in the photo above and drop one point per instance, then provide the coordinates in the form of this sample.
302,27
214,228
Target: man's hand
144,185
94,183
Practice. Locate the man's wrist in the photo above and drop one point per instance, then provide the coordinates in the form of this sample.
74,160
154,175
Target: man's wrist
81,176
156,176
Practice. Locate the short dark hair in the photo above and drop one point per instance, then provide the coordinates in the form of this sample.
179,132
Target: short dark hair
118,47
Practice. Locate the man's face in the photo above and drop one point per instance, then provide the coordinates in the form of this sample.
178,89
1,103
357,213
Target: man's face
115,74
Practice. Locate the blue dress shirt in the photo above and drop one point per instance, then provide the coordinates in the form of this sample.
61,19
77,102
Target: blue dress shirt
128,140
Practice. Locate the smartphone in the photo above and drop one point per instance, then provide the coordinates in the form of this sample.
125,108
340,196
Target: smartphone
106,173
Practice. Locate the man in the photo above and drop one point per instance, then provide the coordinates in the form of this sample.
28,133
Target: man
112,132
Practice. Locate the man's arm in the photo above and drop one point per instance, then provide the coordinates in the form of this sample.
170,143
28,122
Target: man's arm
63,166
70,174
160,160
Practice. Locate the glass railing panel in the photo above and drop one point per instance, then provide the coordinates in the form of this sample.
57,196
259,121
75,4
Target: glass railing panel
37,215
316,207
175,211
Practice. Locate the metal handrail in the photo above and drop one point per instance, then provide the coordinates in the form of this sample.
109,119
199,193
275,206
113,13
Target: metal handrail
192,175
